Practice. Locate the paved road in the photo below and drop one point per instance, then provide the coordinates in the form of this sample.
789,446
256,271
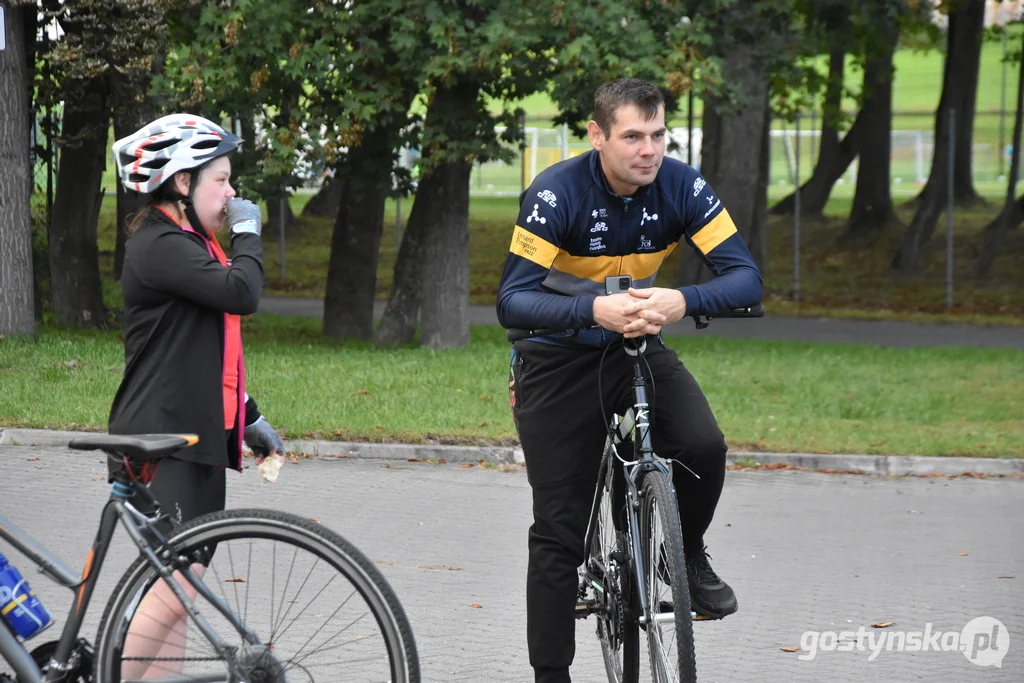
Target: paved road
803,551
881,333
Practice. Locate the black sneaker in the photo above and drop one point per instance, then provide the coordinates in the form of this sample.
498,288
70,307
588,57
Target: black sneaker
709,596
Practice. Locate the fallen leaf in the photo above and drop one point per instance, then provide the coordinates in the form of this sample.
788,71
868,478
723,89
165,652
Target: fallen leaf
962,554
32,459
883,624
314,519
476,605
386,563
413,460
234,581
791,649
467,465
102,478
439,567
363,392
1008,577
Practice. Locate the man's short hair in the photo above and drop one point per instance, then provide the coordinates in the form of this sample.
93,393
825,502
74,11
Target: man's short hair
610,96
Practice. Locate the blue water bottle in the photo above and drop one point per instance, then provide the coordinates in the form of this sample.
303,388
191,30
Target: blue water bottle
19,605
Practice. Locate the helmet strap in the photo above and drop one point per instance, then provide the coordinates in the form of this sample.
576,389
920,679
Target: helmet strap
190,209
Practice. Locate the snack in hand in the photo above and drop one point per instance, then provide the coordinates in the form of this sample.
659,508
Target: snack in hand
271,467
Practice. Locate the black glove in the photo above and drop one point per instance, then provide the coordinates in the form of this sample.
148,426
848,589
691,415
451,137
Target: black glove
262,438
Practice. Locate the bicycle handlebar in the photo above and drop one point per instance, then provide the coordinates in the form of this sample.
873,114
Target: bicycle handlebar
514,334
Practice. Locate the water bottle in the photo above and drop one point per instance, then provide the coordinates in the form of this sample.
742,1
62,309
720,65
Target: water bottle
19,605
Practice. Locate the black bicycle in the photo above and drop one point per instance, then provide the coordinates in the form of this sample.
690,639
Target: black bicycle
240,595
634,576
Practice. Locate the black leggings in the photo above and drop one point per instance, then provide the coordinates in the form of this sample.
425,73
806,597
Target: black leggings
187,490
555,403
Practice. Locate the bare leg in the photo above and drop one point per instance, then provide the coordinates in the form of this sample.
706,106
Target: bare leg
158,629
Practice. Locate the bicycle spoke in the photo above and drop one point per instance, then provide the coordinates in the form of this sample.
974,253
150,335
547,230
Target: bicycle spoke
311,600
245,612
331,615
284,593
334,647
234,576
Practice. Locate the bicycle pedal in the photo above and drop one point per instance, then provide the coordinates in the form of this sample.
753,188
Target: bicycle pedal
584,608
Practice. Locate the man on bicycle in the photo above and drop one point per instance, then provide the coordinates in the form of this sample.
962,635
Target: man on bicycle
619,209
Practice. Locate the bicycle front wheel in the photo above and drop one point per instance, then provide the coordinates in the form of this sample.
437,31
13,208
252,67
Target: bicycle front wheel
320,609
667,621
616,627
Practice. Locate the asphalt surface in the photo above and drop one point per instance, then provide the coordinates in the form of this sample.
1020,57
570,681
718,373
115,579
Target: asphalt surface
880,333
814,559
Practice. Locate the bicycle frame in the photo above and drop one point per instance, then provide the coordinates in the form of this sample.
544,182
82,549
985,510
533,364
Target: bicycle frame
142,532
635,423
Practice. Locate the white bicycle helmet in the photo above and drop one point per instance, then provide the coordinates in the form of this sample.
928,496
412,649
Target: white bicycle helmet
177,142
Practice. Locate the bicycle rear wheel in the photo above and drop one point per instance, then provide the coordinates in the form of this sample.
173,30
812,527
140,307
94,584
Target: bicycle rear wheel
667,623
618,633
321,609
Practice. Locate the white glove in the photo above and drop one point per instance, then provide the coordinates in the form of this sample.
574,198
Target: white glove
243,216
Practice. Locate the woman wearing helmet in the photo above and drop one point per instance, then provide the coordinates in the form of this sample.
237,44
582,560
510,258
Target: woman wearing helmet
184,366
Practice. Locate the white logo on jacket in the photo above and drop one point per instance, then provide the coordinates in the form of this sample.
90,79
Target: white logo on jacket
648,217
536,216
549,197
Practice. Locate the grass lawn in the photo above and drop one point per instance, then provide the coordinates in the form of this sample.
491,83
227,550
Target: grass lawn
779,396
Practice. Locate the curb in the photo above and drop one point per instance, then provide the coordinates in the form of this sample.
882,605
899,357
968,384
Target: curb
885,465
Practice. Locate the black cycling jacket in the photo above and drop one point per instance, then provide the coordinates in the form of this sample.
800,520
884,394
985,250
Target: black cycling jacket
573,231
175,297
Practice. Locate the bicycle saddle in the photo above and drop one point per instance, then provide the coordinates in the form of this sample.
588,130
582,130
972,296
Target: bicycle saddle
139,447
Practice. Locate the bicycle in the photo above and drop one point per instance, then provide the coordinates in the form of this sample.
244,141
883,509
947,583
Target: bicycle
634,576
335,617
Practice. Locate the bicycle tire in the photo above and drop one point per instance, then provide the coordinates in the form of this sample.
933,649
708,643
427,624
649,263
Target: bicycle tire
339,558
661,543
617,631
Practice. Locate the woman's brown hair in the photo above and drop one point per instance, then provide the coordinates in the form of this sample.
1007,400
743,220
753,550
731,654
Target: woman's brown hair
165,192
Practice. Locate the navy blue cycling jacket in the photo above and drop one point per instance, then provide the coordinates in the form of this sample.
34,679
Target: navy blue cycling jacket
573,231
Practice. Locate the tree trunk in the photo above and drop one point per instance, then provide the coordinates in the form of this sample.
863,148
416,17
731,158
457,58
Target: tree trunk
16,286
402,313
326,201
730,134
74,261
959,86
1009,218
437,234
364,181
872,207
834,157
969,36
445,313
1013,211
274,206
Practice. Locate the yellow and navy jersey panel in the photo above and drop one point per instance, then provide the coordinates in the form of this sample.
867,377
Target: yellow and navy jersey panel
573,231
